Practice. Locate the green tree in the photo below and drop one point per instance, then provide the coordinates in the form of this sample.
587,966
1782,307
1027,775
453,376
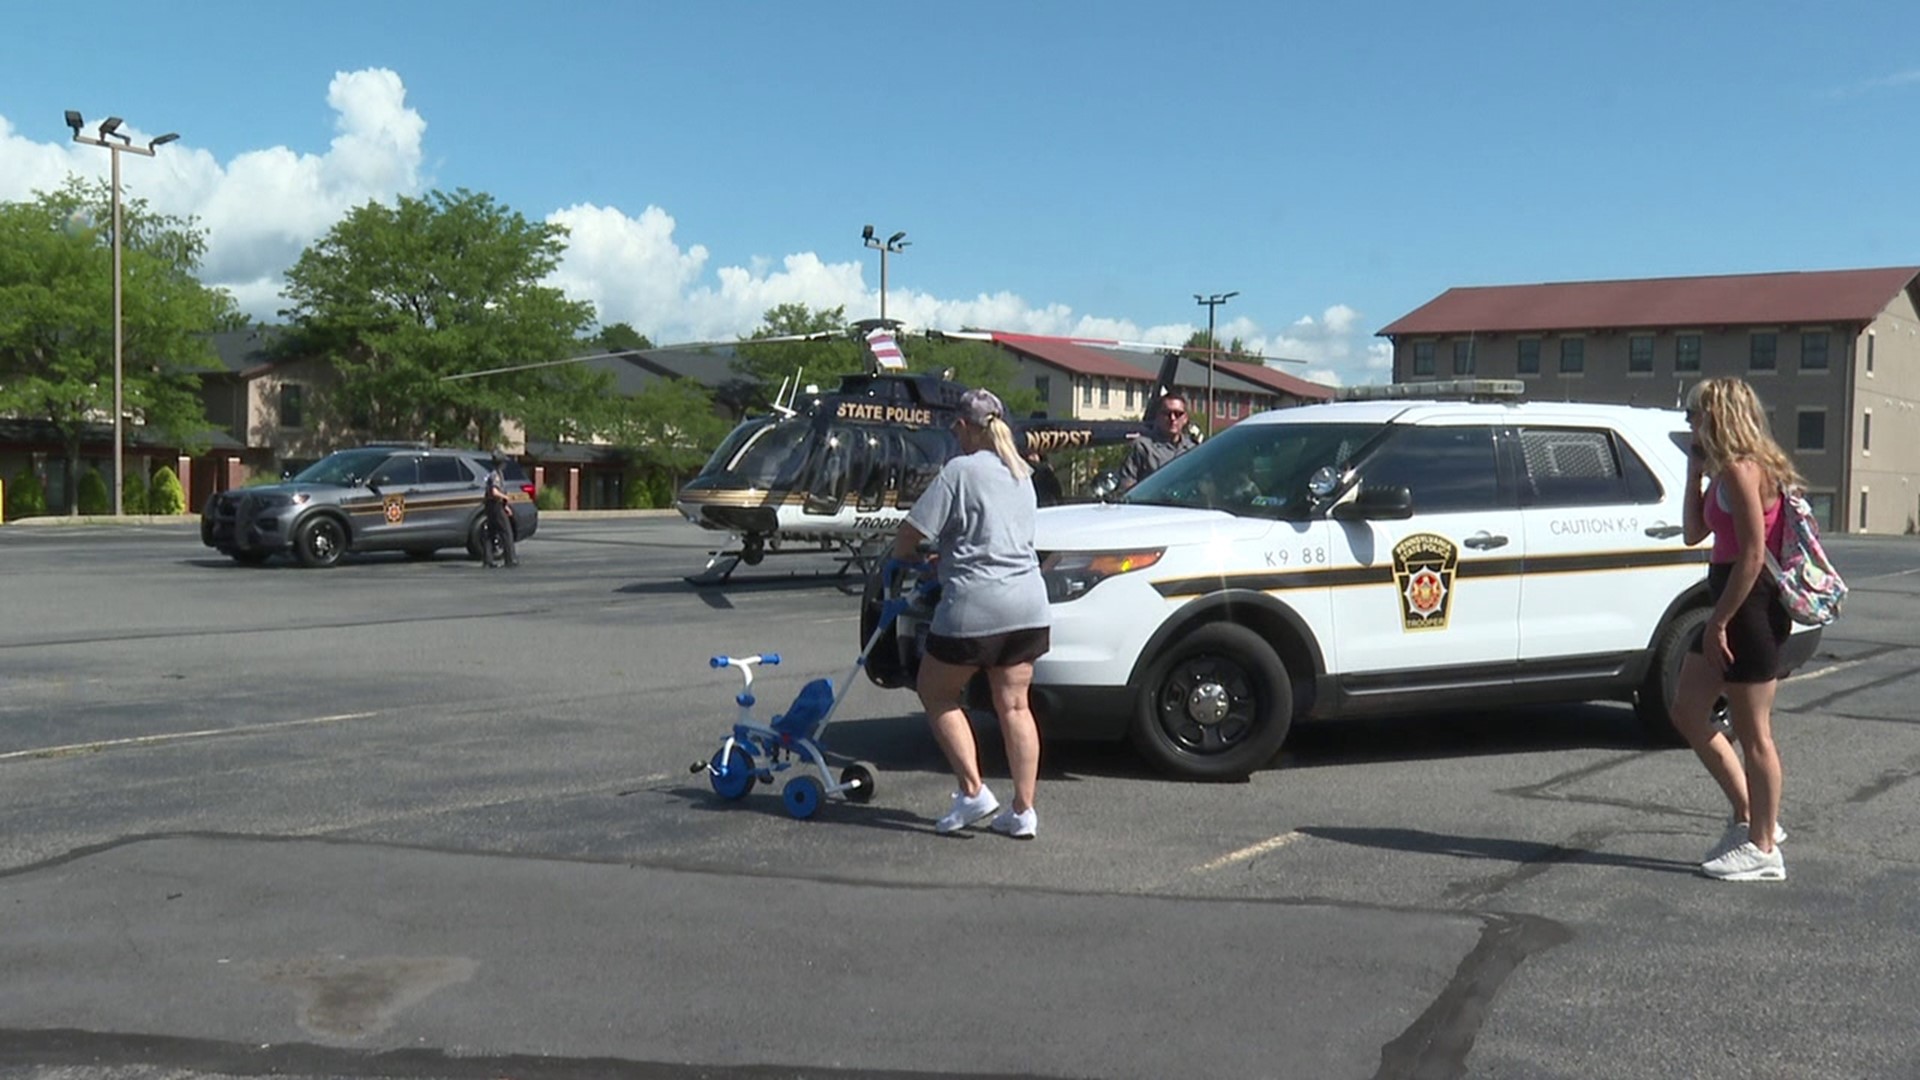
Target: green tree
166,496
765,367
94,498
669,428
619,337
133,492
399,297
56,318
25,496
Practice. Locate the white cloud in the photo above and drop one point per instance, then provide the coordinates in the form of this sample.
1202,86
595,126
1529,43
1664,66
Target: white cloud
263,207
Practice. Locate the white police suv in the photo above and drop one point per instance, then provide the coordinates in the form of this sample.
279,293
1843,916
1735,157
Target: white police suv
1378,554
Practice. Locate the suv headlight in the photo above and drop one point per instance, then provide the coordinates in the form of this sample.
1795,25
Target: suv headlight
1069,574
274,502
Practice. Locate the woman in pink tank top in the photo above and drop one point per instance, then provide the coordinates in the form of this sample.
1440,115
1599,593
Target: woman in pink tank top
1735,475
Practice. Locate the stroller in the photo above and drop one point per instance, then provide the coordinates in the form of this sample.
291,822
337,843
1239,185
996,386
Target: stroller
755,752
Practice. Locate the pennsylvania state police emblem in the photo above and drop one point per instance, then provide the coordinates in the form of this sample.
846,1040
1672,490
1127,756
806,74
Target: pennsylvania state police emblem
396,508
1423,569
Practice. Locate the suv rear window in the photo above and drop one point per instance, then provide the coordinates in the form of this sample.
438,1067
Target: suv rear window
1582,467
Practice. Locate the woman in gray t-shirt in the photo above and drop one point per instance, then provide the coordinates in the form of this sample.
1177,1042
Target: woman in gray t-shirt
992,615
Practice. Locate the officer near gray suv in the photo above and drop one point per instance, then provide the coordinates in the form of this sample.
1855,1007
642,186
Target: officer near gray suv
498,547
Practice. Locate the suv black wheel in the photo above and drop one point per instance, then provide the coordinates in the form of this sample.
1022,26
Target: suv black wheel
1653,705
320,541
1217,705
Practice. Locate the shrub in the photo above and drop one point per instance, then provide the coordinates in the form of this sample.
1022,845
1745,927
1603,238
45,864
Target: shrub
25,497
94,498
550,498
167,498
133,493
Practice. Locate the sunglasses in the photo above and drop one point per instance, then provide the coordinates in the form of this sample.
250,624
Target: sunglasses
1175,412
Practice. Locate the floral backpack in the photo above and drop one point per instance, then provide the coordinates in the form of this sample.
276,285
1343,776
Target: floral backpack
1810,588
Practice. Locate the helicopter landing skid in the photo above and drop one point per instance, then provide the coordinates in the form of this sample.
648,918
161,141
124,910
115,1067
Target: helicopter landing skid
856,559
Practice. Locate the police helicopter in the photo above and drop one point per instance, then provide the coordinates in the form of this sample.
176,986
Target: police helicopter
837,470
834,471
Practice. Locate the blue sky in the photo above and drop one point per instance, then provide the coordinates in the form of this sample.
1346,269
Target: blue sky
1058,167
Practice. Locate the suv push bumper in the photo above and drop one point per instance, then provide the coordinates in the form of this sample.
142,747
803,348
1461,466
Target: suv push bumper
231,525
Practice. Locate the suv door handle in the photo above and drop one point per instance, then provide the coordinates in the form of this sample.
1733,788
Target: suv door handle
1483,540
1664,531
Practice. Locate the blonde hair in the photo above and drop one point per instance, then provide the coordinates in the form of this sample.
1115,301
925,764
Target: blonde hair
1002,437
1736,429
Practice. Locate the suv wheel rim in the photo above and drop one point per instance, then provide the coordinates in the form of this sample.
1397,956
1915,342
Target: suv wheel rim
1207,705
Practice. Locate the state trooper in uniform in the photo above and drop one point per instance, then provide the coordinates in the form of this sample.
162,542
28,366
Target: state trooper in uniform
498,543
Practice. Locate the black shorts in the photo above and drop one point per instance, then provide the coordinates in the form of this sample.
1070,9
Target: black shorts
1757,631
993,650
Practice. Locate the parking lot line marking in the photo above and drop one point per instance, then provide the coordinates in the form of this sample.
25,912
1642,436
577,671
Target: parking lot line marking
1825,671
177,736
1248,852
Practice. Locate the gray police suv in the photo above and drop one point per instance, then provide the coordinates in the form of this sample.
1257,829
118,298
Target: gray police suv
411,498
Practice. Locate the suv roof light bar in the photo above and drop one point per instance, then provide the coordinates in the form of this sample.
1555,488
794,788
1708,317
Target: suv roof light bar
1437,390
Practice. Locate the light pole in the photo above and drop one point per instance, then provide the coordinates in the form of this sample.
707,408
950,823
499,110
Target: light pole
1211,302
892,244
109,131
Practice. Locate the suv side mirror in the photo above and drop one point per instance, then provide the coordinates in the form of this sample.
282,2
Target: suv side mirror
1379,503
1105,486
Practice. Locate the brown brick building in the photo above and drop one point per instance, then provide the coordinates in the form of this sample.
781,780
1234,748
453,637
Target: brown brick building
1834,355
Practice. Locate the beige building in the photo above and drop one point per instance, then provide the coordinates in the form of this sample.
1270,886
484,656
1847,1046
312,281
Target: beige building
1834,355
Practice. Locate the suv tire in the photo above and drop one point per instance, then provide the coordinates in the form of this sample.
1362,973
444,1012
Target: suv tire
1217,705
1653,705
320,541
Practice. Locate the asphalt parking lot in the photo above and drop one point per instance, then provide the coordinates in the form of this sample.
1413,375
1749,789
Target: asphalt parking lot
420,819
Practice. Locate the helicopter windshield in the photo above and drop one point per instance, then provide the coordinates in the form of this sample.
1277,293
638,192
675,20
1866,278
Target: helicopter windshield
763,453
1255,470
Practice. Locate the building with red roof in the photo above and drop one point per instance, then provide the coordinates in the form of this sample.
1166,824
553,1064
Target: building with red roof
1834,354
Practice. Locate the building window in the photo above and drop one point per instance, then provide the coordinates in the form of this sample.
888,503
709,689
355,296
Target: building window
1527,362
1763,351
1869,352
292,405
1423,358
1863,509
1106,393
1686,352
1130,391
1813,351
1573,355
1086,391
1640,355
1813,430
1822,507
1866,432
1463,357
1043,387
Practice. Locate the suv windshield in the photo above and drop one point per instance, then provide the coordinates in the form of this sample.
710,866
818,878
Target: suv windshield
1255,470
343,469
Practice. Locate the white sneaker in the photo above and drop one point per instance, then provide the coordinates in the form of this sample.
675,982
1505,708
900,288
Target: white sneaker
1747,863
1736,835
966,810
1021,826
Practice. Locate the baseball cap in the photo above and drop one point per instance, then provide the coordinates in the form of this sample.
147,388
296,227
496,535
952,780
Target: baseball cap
979,405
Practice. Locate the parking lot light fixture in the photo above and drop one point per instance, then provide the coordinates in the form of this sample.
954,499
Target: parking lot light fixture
116,142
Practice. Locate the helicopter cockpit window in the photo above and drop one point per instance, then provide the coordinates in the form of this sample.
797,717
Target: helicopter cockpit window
925,451
883,448
831,473
772,456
